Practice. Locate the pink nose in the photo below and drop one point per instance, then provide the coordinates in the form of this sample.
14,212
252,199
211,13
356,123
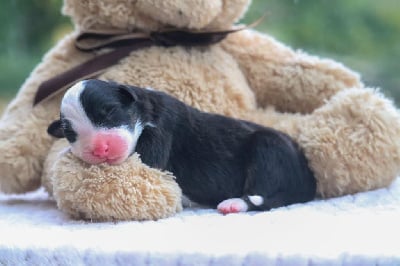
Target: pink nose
101,149
109,145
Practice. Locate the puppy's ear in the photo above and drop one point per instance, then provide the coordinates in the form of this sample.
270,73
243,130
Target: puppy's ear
128,94
55,129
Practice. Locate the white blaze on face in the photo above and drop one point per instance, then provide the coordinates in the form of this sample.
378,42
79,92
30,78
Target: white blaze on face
119,141
72,109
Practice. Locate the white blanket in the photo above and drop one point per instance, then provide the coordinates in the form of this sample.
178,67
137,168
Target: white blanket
363,229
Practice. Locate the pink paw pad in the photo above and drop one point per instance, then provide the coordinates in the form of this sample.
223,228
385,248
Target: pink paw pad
232,206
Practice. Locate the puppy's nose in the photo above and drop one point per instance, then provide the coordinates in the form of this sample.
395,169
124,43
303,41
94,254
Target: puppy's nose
101,149
109,145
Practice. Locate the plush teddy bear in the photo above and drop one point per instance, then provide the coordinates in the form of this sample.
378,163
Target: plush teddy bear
350,134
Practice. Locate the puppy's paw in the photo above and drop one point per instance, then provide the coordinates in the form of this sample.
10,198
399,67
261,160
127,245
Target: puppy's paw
234,205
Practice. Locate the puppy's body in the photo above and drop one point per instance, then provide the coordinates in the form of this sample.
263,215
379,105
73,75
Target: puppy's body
231,163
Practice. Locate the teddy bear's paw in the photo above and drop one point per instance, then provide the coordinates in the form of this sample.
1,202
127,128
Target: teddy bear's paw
353,142
130,191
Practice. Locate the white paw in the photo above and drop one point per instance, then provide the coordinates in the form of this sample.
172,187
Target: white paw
256,200
232,206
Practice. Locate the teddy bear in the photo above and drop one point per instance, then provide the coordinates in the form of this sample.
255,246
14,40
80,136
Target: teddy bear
349,133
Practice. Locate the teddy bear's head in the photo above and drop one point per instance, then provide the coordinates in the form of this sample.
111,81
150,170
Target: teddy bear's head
150,15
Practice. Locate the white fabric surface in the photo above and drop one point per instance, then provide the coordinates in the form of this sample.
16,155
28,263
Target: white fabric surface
362,229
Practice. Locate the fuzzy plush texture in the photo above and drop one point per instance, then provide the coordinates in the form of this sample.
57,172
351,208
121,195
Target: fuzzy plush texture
350,134
102,193
360,229
98,192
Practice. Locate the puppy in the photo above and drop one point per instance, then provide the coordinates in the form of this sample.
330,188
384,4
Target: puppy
230,164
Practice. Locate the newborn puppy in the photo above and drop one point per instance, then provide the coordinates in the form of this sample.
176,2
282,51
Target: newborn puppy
218,161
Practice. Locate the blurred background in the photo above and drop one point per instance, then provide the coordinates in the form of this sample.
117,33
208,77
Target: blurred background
363,34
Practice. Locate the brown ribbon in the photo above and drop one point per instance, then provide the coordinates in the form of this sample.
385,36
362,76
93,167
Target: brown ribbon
123,44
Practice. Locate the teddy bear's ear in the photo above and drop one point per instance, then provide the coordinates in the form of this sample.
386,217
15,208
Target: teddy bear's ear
55,129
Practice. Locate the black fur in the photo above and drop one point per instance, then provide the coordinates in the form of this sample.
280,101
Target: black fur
62,129
213,157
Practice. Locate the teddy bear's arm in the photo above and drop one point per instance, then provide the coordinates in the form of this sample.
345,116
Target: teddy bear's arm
24,142
289,80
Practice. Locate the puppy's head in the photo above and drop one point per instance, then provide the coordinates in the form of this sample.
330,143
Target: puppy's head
101,120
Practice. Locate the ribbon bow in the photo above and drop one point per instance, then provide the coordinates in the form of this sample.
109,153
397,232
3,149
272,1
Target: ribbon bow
123,43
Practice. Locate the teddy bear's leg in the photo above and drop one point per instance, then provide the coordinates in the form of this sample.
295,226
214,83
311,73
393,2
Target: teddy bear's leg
292,81
352,142
24,142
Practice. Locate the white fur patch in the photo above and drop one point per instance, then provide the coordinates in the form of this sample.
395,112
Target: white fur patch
256,200
73,110
149,124
137,131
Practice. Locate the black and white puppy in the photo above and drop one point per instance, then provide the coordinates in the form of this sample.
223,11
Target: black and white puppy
232,164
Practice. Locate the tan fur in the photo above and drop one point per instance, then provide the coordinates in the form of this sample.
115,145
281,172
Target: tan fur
291,81
101,192
207,79
349,133
355,138
24,143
